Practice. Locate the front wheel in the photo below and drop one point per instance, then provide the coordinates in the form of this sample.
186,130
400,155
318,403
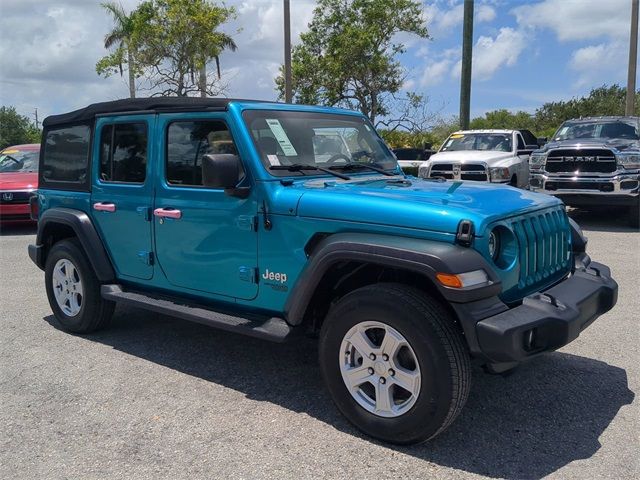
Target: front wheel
394,363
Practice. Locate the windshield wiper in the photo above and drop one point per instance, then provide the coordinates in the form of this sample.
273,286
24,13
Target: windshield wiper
297,167
357,166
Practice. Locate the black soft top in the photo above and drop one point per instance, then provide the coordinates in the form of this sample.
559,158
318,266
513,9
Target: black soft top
87,114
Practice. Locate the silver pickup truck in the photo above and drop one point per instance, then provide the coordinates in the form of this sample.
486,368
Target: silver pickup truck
592,162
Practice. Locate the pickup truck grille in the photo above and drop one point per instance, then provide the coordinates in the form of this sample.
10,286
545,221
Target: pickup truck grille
457,171
591,160
543,246
12,198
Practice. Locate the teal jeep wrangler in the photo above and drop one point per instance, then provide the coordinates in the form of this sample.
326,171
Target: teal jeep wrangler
269,219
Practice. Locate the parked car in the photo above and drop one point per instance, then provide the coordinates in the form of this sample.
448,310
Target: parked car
18,181
499,156
410,158
592,162
227,212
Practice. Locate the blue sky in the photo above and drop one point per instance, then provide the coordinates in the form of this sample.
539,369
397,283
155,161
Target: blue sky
525,52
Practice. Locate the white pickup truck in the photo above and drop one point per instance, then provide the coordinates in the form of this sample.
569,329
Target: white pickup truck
499,156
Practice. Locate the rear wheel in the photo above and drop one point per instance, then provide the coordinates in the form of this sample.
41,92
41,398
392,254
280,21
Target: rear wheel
394,363
73,289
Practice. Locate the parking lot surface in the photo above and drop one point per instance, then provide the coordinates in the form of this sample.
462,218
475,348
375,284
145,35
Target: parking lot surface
155,397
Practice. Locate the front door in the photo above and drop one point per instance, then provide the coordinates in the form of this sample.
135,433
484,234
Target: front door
122,192
205,239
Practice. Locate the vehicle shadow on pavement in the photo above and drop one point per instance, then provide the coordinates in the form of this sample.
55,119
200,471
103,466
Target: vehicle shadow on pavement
18,229
602,219
548,413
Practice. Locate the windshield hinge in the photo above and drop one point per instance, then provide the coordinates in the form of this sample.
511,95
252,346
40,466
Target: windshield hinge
465,233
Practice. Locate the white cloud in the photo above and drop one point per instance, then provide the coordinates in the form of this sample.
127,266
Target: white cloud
490,54
436,72
608,59
442,19
577,19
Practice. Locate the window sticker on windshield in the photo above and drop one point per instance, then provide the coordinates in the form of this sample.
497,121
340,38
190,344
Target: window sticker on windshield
457,135
273,160
8,152
281,137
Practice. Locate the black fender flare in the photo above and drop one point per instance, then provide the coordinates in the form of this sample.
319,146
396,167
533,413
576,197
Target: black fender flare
86,232
426,257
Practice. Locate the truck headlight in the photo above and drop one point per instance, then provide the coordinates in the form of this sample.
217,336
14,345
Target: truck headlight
499,174
423,170
537,160
629,160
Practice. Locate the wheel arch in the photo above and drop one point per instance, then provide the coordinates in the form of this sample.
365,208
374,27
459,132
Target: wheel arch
56,224
339,263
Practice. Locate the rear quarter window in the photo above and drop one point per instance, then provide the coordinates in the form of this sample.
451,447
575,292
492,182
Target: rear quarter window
65,159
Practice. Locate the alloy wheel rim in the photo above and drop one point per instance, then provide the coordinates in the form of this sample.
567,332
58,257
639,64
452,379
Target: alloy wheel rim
380,369
67,287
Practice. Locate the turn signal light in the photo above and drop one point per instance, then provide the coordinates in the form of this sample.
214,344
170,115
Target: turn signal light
462,280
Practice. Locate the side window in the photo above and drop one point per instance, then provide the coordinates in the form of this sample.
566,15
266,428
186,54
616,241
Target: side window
188,142
66,154
520,142
123,152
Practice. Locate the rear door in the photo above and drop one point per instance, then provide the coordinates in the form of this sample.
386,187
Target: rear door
122,191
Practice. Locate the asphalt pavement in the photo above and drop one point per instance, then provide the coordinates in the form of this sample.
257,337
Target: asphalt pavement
155,397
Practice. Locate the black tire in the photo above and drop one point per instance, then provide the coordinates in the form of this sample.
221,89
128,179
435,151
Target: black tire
95,312
634,215
445,367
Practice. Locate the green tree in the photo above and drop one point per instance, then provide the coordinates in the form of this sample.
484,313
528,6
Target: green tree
348,57
16,129
504,119
122,37
176,40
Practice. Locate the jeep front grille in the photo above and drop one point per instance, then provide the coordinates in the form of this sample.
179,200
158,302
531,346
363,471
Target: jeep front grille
576,162
457,171
543,246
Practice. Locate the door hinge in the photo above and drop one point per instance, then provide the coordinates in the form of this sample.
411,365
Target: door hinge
146,257
248,222
248,274
144,212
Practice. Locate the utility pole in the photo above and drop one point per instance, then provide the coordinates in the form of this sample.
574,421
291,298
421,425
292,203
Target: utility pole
465,78
37,122
287,52
633,60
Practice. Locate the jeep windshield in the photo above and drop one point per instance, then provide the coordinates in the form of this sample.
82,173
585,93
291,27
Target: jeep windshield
618,128
12,160
500,142
310,142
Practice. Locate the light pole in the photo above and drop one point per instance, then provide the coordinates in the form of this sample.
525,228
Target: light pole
633,60
465,77
287,52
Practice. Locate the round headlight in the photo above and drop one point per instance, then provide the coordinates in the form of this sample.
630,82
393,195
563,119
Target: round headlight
494,247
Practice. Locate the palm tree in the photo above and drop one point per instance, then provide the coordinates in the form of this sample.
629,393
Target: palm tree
121,36
226,43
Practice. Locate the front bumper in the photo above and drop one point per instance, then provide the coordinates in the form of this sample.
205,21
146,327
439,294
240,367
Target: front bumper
16,212
616,189
545,321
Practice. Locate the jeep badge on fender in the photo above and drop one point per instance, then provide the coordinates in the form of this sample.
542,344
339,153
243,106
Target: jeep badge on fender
404,280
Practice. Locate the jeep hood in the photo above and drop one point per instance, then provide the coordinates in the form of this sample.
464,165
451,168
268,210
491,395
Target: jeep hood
470,156
415,203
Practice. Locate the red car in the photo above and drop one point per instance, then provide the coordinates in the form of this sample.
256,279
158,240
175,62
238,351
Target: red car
18,181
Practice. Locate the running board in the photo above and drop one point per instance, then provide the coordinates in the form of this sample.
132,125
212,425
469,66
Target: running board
273,329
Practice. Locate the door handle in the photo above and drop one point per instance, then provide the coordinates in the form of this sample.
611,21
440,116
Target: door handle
167,213
104,207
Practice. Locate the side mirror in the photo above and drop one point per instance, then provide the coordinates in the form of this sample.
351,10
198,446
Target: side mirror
224,170
542,141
